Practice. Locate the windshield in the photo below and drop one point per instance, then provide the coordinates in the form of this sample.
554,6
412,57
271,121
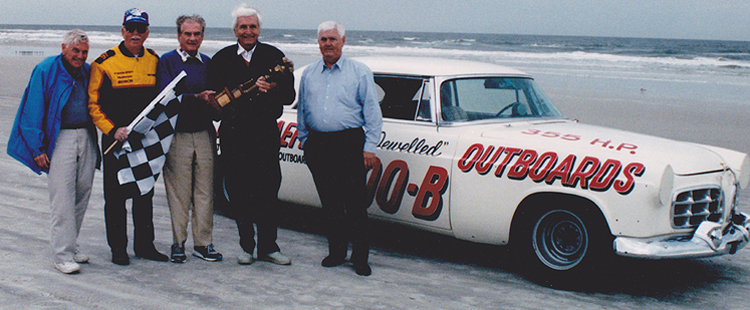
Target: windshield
470,99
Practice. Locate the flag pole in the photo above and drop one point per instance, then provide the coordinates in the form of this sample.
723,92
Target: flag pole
150,106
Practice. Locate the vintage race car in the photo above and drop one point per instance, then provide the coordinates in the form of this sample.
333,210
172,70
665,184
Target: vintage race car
476,151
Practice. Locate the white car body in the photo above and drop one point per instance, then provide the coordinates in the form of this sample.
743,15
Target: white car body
470,178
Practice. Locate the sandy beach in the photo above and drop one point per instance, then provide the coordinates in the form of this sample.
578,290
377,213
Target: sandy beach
411,269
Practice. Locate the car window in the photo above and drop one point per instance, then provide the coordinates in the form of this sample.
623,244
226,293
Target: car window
404,98
493,97
424,113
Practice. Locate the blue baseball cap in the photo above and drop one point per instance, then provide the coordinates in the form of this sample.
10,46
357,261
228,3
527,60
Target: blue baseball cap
135,15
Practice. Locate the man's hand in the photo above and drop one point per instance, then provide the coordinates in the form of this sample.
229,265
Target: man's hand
42,161
205,95
370,160
121,134
263,85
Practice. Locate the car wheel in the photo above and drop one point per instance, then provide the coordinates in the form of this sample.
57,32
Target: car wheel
560,240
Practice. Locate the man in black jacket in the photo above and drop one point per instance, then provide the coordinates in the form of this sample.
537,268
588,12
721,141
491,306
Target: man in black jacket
250,136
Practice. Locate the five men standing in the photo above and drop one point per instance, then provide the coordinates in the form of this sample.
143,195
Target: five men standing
339,123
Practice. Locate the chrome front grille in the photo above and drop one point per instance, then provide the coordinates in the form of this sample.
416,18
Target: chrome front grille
692,207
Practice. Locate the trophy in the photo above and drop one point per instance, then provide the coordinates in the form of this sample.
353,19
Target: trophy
226,96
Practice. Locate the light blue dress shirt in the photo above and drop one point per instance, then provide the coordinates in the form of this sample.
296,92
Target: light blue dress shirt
342,97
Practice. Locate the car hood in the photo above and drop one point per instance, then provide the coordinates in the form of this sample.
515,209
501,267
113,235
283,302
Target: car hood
588,140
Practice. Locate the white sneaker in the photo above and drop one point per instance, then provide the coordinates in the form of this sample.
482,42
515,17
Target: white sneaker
245,258
276,258
68,267
81,258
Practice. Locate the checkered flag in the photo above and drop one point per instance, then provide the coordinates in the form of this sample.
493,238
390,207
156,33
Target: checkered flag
145,150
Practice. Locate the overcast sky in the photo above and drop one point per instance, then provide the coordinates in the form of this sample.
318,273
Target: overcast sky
684,19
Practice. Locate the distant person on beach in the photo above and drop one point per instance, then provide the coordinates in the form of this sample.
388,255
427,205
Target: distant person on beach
189,169
250,136
53,133
339,124
123,83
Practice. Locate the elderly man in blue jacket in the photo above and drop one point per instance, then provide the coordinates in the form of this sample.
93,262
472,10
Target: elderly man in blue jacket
53,133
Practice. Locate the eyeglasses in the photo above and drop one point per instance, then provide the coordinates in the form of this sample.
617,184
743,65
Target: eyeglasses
141,28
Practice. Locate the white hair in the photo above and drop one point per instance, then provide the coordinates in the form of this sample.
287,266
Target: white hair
331,25
245,10
75,36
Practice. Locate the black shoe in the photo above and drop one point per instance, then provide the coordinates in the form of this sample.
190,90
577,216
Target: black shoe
362,269
178,254
207,253
331,261
120,258
152,254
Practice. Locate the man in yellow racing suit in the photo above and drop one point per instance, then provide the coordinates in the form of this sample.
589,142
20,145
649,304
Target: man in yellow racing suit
123,82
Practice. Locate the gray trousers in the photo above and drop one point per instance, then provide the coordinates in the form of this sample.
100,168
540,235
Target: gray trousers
70,179
189,181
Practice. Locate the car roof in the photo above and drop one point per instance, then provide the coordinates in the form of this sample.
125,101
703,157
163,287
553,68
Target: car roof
430,66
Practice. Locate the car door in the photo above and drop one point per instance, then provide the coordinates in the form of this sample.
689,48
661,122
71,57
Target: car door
412,184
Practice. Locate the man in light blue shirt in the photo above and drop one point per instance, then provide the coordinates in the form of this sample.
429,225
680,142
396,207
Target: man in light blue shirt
339,124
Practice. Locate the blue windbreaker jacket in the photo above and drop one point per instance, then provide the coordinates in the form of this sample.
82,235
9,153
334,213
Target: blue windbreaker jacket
39,115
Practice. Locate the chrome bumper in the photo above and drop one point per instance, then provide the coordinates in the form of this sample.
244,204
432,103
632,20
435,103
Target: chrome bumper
710,239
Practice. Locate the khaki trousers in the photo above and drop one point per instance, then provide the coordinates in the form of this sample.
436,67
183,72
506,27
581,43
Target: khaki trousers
189,179
71,174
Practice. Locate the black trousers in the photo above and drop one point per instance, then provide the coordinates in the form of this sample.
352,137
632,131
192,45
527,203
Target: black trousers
337,165
115,212
253,177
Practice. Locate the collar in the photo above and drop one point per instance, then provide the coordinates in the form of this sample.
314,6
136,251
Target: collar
185,56
124,50
248,55
75,73
335,66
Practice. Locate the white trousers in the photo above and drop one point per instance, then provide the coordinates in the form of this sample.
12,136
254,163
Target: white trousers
70,179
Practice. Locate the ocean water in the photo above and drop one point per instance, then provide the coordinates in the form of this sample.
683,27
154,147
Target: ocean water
686,70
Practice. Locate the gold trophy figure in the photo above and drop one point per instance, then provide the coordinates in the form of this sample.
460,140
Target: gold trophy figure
226,96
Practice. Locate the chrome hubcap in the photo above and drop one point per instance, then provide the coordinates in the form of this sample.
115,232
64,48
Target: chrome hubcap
560,239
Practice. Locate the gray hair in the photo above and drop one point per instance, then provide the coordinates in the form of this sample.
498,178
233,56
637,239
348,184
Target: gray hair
193,18
244,10
75,36
331,25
